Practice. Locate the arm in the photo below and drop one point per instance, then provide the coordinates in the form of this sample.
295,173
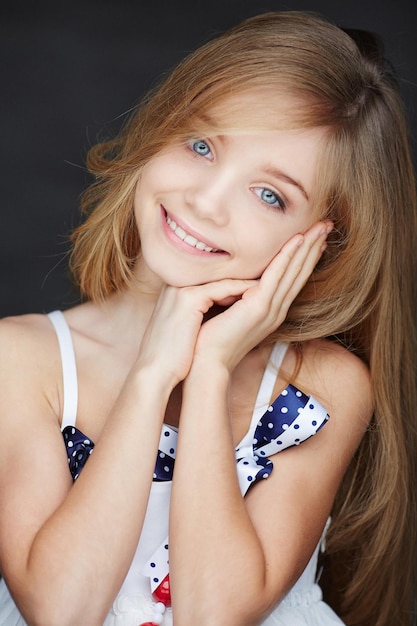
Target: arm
244,555
74,543
70,543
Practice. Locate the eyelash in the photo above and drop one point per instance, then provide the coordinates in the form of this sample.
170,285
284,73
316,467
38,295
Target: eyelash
279,202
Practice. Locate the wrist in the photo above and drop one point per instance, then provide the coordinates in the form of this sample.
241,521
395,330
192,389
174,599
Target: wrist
151,380
207,372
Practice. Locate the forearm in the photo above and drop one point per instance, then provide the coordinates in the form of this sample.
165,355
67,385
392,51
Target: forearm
212,537
81,554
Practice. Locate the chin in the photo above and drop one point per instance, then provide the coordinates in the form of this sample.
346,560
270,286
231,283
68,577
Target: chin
184,283
176,279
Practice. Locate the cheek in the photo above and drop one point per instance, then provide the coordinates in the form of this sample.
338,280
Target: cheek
146,189
166,166
257,259
263,247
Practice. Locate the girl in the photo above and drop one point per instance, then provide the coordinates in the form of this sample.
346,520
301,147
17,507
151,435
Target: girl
247,271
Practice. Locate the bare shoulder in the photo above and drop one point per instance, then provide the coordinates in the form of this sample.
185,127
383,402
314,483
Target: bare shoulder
25,337
341,381
22,326
330,366
29,360
22,333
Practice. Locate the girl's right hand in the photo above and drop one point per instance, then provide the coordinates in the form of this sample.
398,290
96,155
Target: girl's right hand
170,338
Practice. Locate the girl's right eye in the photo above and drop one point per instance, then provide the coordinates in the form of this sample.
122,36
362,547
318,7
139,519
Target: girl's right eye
201,147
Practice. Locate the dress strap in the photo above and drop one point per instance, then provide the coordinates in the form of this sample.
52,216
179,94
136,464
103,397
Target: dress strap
268,380
69,368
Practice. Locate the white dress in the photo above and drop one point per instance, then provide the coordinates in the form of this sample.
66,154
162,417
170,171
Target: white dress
134,605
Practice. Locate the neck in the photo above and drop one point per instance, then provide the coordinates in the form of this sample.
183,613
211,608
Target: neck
120,320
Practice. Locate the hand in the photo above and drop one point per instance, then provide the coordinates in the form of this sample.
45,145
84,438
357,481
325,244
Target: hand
169,341
264,305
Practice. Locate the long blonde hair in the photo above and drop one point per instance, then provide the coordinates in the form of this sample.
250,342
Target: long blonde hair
361,294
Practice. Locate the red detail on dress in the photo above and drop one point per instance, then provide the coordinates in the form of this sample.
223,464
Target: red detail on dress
163,592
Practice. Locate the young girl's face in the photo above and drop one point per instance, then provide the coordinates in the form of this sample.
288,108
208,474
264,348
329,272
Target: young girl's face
222,206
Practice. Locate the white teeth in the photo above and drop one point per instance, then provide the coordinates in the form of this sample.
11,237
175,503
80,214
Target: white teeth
192,241
180,232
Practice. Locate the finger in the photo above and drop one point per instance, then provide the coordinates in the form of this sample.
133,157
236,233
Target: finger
291,286
222,292
305,260
226,302
298,256
283,287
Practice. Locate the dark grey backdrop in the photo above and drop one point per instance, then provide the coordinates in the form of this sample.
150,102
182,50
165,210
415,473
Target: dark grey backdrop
71,69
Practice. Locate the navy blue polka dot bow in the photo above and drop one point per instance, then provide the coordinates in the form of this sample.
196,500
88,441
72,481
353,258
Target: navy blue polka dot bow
291,419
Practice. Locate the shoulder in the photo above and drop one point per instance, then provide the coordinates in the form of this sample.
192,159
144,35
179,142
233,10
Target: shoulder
20,325
332,361
341,382
29,360
23,333
330,366
22,337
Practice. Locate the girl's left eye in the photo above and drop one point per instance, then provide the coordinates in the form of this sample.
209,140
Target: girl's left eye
269,197
201,147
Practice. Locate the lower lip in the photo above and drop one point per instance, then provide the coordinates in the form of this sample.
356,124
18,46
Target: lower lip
179,243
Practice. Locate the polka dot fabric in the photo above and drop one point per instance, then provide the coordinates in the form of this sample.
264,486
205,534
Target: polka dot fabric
281,415
164,466
79,448
291,419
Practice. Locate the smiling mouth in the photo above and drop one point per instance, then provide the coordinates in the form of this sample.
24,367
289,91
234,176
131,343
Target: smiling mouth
187,238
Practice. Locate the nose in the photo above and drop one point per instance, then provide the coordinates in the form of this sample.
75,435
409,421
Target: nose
209,195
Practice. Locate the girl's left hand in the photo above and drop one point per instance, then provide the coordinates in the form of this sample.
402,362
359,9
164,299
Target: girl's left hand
262,308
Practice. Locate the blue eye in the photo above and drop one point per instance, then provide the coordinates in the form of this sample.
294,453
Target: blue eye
269,197
201,147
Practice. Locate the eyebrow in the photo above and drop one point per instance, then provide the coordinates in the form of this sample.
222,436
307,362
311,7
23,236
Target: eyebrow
276,173
273,171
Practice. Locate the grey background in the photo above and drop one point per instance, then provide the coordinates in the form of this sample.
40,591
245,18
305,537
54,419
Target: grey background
68,73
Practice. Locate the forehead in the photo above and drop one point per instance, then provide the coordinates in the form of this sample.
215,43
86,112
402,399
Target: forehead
262,109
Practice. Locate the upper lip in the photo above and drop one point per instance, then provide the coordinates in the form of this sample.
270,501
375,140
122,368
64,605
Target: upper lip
192,232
